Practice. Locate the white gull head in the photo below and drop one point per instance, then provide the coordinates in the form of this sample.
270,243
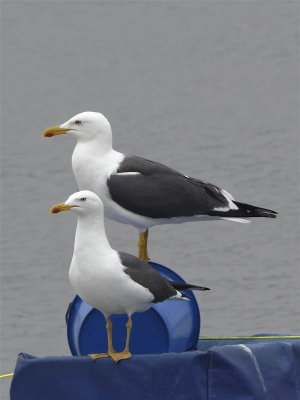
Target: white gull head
87,126
85,202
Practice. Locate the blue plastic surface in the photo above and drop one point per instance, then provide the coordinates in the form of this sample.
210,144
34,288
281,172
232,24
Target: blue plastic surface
170,326
256,371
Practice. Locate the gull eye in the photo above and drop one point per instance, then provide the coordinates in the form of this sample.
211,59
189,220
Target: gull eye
77,122
83,199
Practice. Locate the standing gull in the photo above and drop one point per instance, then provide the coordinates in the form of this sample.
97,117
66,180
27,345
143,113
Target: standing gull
141,192
111,281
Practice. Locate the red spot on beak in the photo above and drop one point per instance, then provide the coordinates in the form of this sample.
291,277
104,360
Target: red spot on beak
48,134
55,210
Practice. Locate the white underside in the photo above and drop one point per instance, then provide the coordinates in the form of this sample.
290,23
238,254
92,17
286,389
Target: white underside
98,276
109,291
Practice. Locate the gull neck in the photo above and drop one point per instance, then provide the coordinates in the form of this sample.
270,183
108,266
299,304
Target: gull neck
90,231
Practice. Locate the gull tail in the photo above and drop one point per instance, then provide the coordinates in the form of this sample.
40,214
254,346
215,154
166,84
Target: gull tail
186,286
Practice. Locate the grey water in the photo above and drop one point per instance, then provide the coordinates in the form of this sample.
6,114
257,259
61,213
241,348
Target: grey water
208,88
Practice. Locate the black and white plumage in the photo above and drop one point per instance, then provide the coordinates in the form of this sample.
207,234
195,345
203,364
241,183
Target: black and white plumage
112,282
141,192
158,192
144,274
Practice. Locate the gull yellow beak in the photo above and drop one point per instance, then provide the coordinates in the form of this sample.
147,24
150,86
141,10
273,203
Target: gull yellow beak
54,130
60,207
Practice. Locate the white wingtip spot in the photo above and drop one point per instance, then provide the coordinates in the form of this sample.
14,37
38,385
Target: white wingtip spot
129,173
178,296
229,198
223,209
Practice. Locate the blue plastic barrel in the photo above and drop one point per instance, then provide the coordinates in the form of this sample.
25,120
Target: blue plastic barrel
170,326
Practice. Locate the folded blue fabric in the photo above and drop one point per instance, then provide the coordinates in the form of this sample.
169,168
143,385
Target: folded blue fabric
256,371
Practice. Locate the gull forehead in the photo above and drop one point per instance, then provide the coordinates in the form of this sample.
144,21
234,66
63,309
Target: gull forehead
89,116
83,194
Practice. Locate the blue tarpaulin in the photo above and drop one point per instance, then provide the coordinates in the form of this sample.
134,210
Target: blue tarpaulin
253,370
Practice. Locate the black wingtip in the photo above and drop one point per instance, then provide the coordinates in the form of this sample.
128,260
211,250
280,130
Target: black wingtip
188,296
269,214
192,287
187,286
200,288
247,210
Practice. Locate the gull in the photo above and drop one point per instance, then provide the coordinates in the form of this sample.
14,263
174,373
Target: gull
111,281
141,192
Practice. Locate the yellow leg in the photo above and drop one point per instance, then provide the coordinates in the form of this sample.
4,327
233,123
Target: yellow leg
128,327
109,336
125,353
142,245
111,350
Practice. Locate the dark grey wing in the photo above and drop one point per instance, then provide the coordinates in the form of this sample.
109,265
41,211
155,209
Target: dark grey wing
145,275
157,191
144,166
